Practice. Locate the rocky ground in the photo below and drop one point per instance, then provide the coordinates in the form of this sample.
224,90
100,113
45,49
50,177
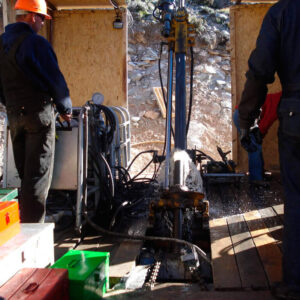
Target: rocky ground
210,124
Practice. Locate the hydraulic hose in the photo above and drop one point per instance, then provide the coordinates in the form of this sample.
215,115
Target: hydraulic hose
146,238
191,91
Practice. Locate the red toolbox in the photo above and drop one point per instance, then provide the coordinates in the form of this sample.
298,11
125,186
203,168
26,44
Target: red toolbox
37,284
9,220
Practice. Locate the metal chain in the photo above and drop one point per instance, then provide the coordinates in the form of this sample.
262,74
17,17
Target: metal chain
154,274
168,222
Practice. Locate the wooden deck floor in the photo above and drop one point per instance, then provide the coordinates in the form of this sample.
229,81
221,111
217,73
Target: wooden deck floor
246,250
246,236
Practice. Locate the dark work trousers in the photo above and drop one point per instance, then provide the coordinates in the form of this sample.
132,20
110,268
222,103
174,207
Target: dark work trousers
33,137
289,150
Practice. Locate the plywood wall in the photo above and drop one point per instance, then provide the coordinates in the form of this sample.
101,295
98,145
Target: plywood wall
83,3
91,54
245,23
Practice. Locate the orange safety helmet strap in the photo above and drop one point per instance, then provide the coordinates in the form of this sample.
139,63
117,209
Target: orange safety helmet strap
35,6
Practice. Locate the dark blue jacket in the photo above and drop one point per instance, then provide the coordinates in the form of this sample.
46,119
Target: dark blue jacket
38,61
277,50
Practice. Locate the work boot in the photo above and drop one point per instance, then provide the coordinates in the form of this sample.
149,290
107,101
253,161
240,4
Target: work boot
283,291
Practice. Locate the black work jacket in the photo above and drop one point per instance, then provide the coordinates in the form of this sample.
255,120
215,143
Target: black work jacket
29,70
277,50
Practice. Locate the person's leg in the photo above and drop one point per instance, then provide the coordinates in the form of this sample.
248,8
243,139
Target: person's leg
255,159
39,149
17,134
256,163
290,166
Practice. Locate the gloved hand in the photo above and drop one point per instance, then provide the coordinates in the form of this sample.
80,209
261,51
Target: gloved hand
246,140
257,134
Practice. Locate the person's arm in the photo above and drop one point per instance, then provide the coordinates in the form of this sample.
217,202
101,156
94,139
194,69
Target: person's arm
262,67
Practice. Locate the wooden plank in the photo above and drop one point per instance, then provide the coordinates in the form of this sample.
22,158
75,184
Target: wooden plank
274,224
161,103
255,1
185,291
92,62
250,267
235,140
63,242
8,12
279,209
124,259
67,4
269,252
224,267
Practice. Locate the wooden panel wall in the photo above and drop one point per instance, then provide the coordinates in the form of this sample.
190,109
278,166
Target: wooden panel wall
245,23
83,3
92,55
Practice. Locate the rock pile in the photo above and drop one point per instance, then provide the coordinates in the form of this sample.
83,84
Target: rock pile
210,124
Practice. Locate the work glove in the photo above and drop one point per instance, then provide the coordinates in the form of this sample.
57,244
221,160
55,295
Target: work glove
246,142
257,135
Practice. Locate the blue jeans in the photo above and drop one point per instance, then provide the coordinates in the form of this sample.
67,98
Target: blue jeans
255,159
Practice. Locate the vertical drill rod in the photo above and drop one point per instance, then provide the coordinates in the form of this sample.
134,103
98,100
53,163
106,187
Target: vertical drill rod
169,117
180,106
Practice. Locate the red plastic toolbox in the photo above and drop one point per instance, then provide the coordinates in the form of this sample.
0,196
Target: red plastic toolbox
37,284
9,220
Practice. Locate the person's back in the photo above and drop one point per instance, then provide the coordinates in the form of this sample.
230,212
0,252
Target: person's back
281,22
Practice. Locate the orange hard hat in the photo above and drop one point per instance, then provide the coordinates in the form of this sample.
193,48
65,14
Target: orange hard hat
35,6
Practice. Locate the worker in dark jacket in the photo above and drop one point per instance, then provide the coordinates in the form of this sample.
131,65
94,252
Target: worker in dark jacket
277,50
31,83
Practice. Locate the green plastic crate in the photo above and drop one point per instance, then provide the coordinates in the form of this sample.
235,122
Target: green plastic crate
8,194
88,273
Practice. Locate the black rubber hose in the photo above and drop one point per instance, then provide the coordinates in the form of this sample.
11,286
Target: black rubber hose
191,91
146,238
143,152
162,85
148,164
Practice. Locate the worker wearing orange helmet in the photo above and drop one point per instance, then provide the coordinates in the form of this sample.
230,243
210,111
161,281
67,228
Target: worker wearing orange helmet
31,83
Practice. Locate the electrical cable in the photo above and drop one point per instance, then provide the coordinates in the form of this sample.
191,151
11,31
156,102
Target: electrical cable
114,3
107,190
113,220
158,18
205,155
112,184
123,170
161,82
149,163
143,152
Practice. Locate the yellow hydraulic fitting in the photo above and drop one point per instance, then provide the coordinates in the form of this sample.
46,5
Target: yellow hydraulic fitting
182,32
